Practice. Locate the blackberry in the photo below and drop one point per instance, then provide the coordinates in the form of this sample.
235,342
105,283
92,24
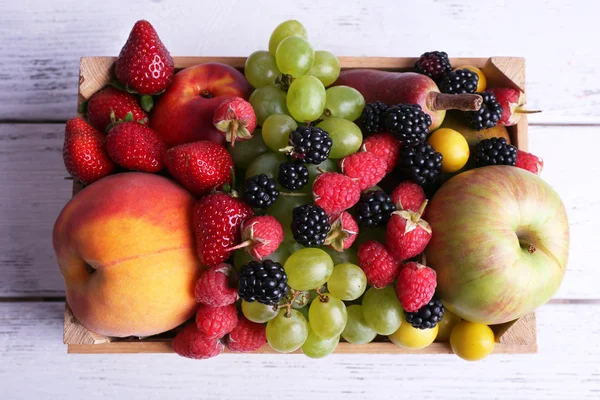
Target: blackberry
408,122
434,64
374,208
262,281
310,145
488,115
310,225
371,120
260,191
292,175
459,81
495,151
421,164
426,317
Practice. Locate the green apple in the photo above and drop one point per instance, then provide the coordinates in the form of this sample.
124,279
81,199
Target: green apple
500,243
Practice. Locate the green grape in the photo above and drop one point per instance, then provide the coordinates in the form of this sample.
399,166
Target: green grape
308,268
347,282
315,170
304,311
344,102
280,255
267,101
277,130
382,310
341,257
287,334
306,99
282,211
317,347
326,67
370,233
357,330
346,136
303,299
284,30
261,69
267,164
294,56
327,316
258,312
246,151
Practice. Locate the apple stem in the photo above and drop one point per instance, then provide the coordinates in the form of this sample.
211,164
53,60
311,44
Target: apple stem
530,248
520,110
437,101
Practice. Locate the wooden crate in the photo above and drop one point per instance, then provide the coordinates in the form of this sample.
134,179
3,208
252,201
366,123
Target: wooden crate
517,337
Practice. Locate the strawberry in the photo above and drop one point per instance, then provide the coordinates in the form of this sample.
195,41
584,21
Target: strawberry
367,169
84,153
334,192
200,166
236,119
384,145
261,236
530,162
408,196
407,234
144,64
218,218
416,286
136,147
344,231
110,105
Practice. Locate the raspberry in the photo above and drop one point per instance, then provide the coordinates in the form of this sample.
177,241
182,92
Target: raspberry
246,336
377,263
334,192
367,169
408,196
406,234
343,233
530,162
213,288
416,286
216,322
386,146
191,343
261,236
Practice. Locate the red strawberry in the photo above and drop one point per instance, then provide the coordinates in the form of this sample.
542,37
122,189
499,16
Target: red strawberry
512,102
367,169
247,336
408,196
191,343
200,166
530,162
384,145
416,286
407,234
335,192
377,263
235,117
261,236
217,221
83,152
136,147
144,64
214,287
343,233
109,105
216,322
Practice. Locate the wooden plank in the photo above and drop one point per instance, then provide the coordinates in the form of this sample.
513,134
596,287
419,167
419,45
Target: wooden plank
566,367
44,42
34,191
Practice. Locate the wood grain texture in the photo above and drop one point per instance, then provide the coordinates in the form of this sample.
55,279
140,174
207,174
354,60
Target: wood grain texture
566,367
44,41
28,207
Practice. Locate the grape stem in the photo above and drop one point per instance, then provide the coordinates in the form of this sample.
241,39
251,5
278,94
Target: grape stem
288,306
322,297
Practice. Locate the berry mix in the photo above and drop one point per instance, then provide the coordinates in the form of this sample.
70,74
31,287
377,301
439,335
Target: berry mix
311,211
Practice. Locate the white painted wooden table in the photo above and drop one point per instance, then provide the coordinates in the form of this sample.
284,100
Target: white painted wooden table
40,44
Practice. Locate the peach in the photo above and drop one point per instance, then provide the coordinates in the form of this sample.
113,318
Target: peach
125,247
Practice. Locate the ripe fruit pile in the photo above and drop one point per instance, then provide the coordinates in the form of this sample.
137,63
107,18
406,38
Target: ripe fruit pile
310,233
